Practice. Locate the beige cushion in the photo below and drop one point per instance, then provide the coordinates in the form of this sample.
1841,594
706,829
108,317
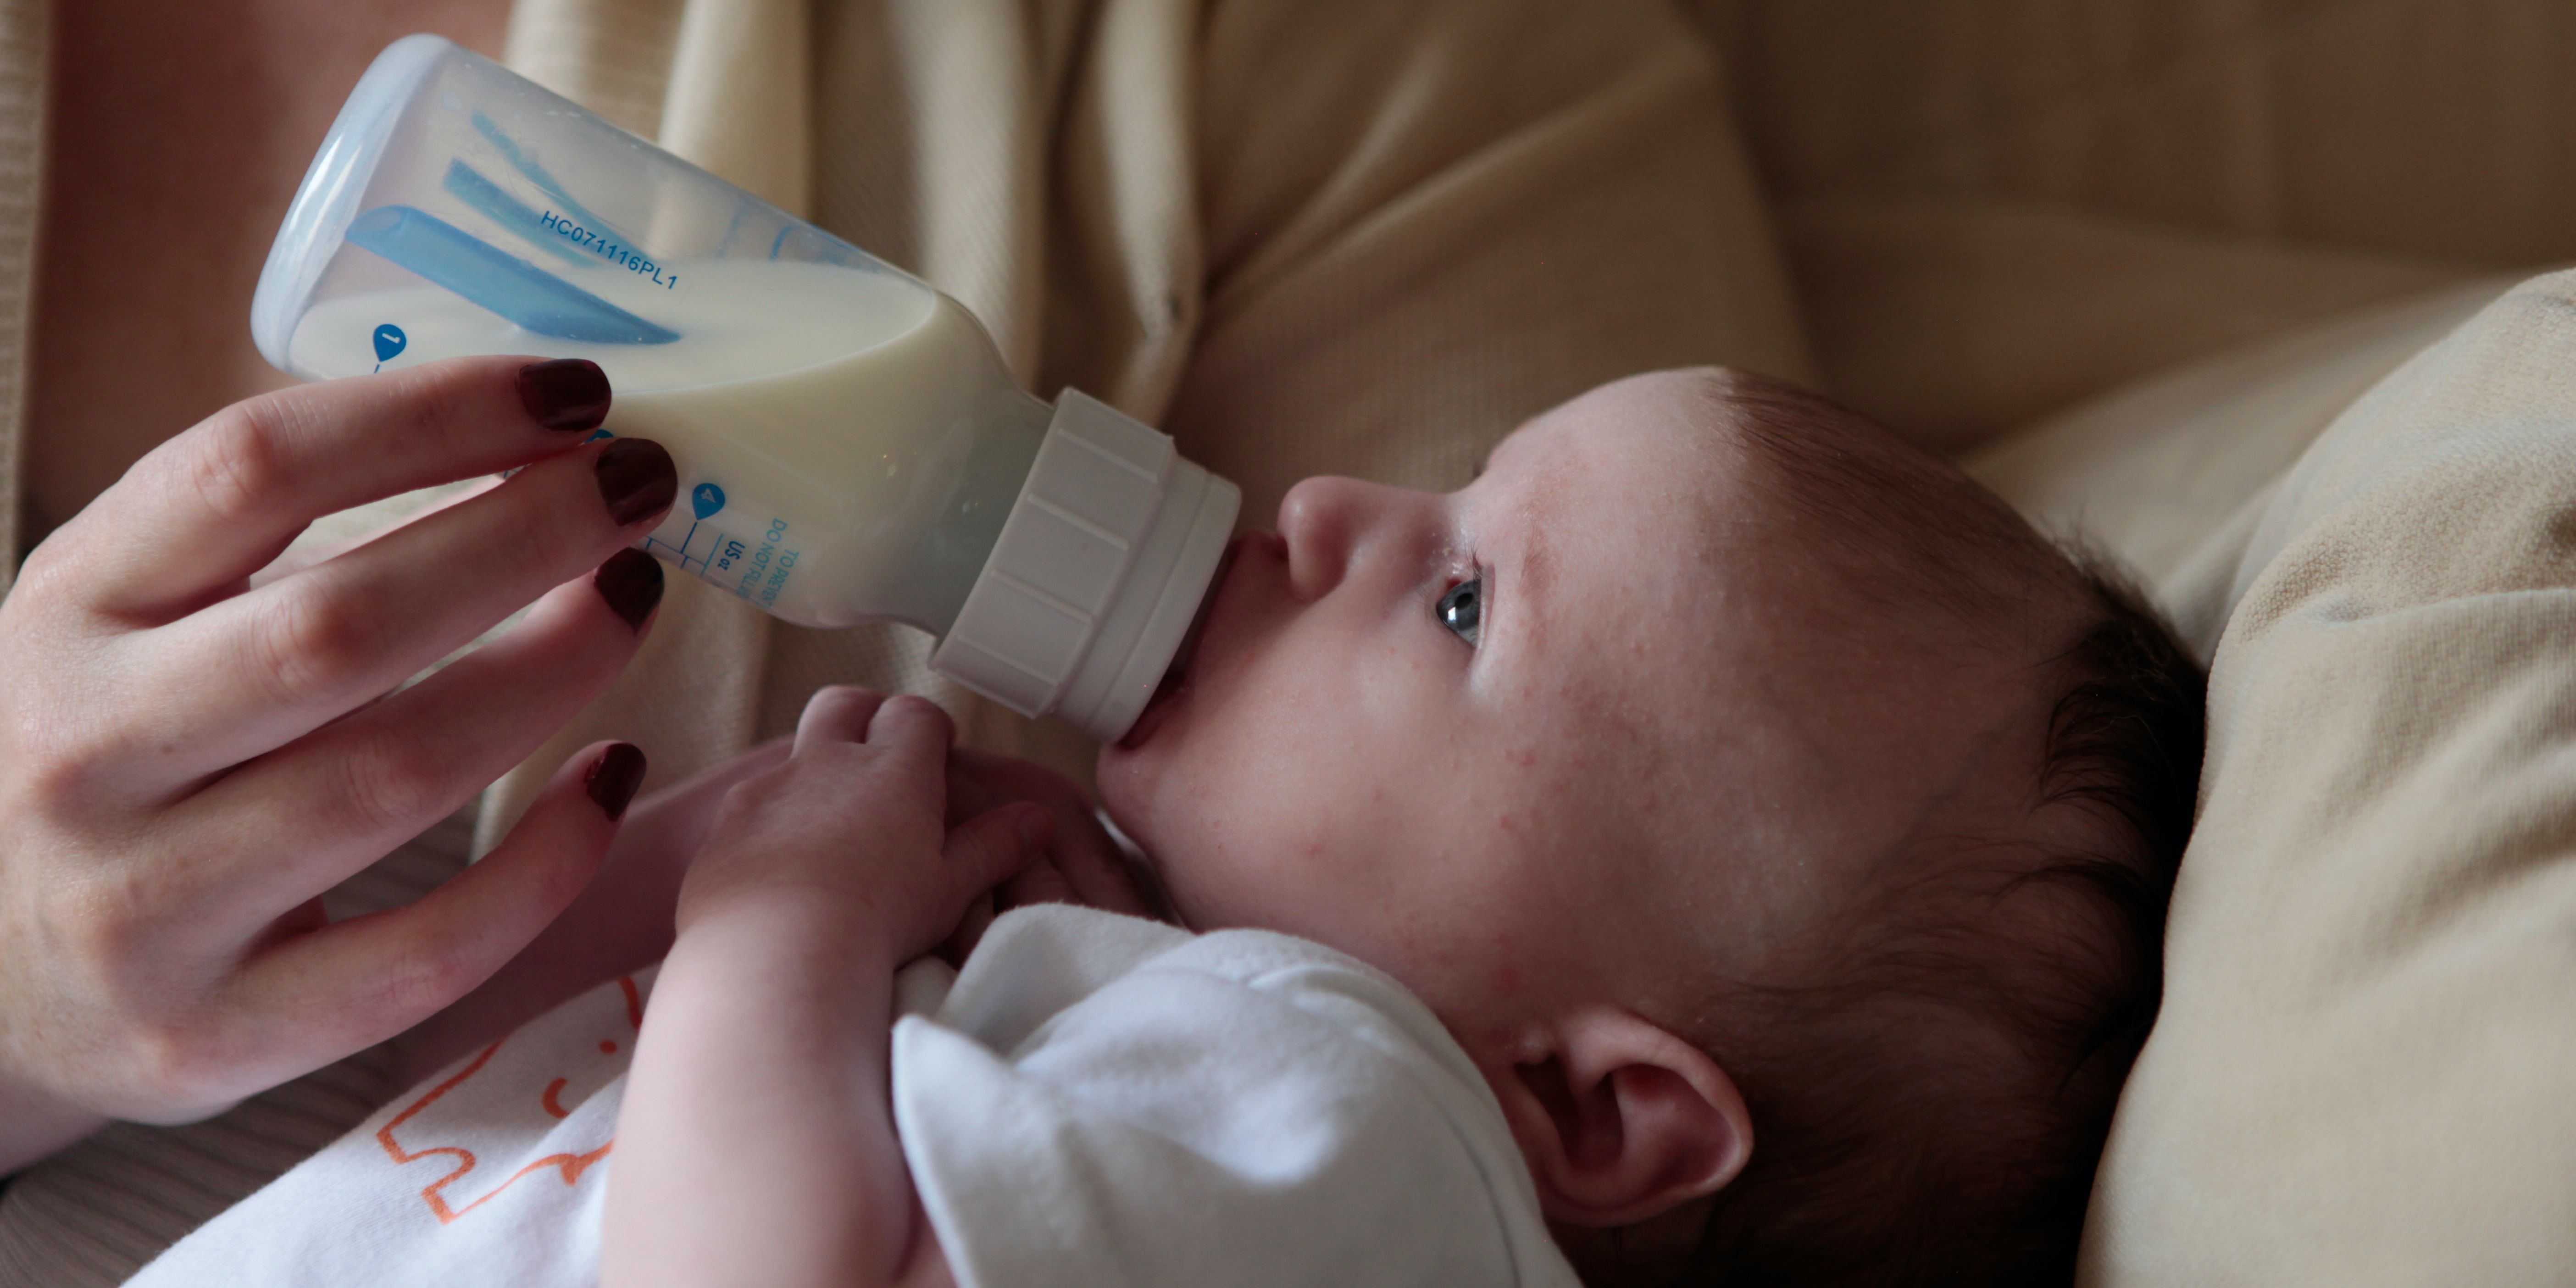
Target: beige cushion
1951,321
2170,473
2362,1073
2428,127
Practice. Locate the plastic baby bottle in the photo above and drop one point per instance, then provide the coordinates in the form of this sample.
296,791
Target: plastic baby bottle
849,445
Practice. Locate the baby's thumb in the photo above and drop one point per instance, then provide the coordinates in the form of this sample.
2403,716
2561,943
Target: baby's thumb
993,846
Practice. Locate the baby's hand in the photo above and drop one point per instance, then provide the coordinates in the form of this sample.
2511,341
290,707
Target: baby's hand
852,830
1082,865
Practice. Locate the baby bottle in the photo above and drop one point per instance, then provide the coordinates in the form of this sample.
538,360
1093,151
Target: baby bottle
849,445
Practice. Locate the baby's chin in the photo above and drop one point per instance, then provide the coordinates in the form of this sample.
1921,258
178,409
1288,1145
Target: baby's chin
1135,772
1125,798
1125,777
1158,806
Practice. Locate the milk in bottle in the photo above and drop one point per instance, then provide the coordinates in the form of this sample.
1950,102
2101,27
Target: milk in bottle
849,445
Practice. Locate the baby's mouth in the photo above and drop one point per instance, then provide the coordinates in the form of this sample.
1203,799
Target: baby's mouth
1176,678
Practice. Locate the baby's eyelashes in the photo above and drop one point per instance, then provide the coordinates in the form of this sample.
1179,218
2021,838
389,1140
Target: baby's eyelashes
1462,609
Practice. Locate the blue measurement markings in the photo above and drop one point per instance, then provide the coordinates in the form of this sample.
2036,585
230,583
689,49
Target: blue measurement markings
705,500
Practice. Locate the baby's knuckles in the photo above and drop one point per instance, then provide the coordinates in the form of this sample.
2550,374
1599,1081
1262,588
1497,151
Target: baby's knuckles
854,826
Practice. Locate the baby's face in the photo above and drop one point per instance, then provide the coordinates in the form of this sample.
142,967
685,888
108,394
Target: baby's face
1576,727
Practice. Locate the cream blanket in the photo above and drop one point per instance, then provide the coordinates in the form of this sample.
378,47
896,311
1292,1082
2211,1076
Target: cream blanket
1363,240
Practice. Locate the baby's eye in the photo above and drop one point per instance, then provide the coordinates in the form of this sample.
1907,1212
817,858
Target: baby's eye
1462,609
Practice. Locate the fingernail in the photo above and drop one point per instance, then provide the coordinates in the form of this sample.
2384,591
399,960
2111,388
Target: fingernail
567,393
631,582
637,479
612,782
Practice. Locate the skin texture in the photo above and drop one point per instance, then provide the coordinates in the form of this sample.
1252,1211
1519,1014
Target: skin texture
1679,741
159,955
198,747
1638,781
755,1144
1332,773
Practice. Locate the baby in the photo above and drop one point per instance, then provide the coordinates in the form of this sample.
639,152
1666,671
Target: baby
1730,812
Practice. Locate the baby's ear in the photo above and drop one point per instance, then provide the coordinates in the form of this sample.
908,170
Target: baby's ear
1621,1120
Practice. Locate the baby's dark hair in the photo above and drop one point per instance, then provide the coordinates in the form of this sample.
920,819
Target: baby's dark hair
1932,1083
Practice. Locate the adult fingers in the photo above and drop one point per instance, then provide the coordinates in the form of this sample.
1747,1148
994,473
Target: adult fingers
214,504
839,713
260,669
358,982
336,799
310,554
622,922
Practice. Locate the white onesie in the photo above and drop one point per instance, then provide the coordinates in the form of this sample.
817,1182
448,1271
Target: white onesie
1096,1100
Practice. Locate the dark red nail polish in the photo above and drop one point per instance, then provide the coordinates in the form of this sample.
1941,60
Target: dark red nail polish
612,782
636,479
567,393
631,582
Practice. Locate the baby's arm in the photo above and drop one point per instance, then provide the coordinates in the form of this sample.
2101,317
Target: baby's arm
756,1144
622,923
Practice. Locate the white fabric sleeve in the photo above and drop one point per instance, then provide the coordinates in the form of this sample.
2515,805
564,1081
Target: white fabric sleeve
1106,1101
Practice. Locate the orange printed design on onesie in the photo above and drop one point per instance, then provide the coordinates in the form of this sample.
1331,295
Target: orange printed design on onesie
421,1116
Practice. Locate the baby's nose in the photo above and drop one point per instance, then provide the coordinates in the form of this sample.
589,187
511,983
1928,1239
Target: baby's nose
1330,524
1322,520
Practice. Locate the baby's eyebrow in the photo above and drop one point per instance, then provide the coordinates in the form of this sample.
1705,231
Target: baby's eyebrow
1518,556
1501,447
1534,572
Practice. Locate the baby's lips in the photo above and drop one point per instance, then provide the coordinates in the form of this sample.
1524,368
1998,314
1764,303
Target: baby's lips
1176,677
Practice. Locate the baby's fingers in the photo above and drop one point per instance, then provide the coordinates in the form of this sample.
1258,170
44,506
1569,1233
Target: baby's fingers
989,850
837,714
1084,865
915,728
992,848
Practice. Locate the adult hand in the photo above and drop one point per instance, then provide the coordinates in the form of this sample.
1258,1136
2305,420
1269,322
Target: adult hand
187,761
622,922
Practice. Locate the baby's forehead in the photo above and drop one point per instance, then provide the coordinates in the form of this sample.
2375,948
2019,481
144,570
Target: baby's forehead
1629,560
1701,521
1648,478
1666,421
